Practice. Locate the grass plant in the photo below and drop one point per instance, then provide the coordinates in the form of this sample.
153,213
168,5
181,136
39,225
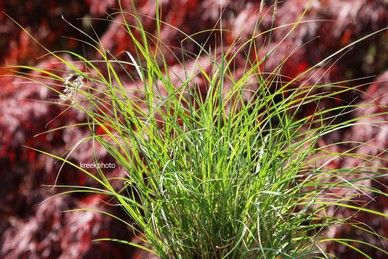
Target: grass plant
221,167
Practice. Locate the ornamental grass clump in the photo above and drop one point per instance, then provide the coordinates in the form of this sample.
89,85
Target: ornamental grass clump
217,165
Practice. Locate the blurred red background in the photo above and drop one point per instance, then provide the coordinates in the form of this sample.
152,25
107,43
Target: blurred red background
33,227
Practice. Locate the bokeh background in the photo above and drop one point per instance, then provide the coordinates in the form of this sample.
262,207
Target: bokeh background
33,227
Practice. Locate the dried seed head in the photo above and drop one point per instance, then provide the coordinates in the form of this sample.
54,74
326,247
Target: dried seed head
72,84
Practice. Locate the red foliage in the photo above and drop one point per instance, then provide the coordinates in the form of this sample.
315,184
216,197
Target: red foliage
32,229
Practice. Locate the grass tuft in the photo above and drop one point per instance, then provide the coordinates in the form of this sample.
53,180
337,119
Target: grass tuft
217,165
